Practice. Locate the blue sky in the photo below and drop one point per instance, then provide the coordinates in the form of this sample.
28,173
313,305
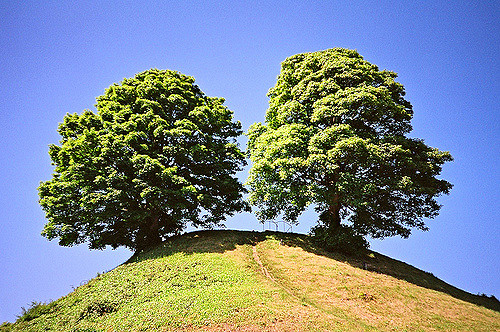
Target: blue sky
57,57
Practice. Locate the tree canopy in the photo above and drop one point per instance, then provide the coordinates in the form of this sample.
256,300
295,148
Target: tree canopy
158,154
335,136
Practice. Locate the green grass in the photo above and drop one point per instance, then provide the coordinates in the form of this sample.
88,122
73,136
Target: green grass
175,284
210,281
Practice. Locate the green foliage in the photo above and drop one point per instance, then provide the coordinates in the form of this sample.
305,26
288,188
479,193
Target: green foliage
35,310
157,155
335,137
98,308
6,327
343,239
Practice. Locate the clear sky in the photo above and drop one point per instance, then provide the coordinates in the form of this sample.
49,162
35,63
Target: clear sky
58,56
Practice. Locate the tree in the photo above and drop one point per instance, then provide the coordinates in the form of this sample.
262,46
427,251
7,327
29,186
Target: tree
336,136
159,154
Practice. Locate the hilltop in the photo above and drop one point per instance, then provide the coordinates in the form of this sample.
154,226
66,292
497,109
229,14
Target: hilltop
252,281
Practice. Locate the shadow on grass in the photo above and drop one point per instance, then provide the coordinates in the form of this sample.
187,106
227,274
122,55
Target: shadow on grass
206,241
220,241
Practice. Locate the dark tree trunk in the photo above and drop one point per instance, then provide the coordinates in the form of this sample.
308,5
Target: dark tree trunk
334,211
331,216
333,220
149,236
154,230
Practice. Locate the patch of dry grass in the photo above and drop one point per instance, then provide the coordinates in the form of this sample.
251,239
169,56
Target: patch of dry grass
375,300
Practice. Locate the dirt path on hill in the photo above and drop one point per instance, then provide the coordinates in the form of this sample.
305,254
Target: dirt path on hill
262,267
268,275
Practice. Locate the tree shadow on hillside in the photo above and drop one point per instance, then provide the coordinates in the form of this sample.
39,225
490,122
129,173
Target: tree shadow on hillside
205,241
220,241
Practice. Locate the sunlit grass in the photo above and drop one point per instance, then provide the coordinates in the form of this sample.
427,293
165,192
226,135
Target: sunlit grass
211,281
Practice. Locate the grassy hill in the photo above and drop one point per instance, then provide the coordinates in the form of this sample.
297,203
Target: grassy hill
251,281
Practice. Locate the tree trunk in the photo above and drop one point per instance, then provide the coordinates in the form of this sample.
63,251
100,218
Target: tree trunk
154,233
149,236
331,216
334,213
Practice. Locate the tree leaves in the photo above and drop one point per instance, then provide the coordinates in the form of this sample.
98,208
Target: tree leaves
143,166
335,137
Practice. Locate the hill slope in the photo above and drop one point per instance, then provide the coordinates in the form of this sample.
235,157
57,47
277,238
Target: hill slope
250,281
